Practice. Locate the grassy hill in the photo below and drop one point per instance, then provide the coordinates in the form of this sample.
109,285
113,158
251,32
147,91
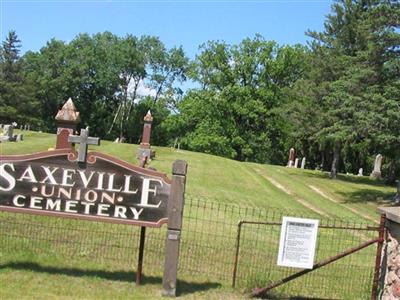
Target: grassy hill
220,180
248,184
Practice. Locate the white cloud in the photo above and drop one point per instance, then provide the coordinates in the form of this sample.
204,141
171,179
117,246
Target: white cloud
142,90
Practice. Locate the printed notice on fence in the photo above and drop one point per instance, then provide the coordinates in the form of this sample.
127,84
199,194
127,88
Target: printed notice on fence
297,242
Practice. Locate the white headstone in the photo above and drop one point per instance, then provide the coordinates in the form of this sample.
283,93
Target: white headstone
296,163
303,162
360,172
8,131
116,140
376,173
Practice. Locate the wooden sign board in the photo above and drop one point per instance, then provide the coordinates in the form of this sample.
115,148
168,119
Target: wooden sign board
104,189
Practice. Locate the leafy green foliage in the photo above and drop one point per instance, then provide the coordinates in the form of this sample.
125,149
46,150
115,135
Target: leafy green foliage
236,112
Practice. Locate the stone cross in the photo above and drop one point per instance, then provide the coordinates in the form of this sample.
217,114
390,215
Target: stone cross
296,163
83,140
376,173
291,157
303,162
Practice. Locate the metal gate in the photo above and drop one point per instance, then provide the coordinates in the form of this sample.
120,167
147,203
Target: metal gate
347,263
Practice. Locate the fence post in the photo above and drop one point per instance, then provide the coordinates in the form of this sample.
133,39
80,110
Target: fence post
378,258
172,242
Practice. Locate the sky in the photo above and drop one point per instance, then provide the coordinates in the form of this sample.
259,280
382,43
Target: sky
186,23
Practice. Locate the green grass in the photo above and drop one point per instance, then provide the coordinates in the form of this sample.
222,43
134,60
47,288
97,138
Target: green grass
37,271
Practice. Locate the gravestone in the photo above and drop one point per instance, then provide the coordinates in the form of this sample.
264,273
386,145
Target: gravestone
291,157
8,131
296,162
303,162
116,140
67,119
360,172
19,138
29,127
26,127
396,197
376,173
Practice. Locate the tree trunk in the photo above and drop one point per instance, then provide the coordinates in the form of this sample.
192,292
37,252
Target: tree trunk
335,161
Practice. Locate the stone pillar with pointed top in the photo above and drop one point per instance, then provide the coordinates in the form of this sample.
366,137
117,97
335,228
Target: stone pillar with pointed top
67,119
144,148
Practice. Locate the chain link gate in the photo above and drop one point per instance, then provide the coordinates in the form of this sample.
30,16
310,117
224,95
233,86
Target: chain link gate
353,270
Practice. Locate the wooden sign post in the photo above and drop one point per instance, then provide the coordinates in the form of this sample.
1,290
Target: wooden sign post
175,212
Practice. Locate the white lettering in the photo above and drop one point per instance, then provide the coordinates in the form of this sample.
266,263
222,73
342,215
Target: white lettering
16,198
136,213
70,205
28,175
144,201
111,184
105,196
49,174
100,181
120,212
53,205
87,207
7,176
85,180
89,198
127,184
101,208
43,191
66,193
67,175
36,201
78,194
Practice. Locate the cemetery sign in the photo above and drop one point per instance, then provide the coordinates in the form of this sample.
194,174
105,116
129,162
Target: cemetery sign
102,189
297,242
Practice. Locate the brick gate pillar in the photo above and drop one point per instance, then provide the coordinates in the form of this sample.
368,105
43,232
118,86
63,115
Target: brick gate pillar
389,284
145,150
67,119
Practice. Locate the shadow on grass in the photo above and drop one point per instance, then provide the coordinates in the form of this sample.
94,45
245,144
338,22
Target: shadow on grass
368,195
184,287
347,178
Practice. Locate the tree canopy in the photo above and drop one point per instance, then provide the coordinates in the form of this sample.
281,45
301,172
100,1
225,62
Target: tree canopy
335,100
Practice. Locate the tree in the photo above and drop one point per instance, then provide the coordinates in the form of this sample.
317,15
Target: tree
351,60
237,111
17,100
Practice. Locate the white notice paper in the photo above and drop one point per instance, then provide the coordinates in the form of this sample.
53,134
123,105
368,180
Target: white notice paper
297,242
